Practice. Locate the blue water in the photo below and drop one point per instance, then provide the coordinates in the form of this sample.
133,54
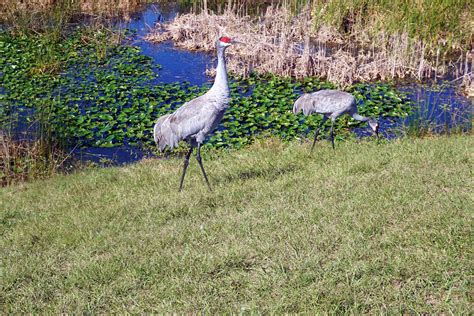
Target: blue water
437,104
178,65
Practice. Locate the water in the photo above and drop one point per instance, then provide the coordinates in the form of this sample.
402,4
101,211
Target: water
442,105
438,106
177,64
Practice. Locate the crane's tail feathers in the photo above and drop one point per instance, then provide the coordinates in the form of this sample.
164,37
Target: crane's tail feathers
163,134
296,108
304,104
300,104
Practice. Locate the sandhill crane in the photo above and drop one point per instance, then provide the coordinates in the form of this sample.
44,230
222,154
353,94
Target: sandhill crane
196,119
331,104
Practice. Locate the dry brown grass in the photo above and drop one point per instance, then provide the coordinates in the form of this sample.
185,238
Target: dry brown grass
284,44
86,6
12,10
21,160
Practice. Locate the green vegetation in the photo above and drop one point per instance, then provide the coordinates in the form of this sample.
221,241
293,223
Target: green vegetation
268,109
104,95
443,24
44,80
369,228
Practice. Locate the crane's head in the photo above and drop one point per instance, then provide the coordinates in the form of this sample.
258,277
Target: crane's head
374,125
225,41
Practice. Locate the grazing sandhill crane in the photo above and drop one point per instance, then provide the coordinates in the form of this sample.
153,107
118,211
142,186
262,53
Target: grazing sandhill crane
331,104
196,119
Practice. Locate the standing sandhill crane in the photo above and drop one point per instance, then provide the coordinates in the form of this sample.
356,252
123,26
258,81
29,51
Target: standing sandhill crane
196,119
332,104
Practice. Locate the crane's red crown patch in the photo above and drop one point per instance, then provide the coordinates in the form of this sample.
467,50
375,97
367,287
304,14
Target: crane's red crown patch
225,39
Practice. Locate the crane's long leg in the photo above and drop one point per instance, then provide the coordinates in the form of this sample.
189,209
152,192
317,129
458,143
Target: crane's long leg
185,166
317,132
198,158
332,134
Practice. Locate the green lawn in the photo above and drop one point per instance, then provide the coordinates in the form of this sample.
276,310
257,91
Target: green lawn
367,228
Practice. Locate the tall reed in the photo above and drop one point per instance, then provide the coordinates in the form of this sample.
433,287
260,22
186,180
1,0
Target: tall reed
28,147
446,25
287,45
23,159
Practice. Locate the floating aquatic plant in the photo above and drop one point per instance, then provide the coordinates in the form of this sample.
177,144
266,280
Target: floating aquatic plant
91,99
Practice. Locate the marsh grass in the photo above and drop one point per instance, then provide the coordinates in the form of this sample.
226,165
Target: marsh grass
35,152
444,25
369,228
57,16
27,159
308,41
423,123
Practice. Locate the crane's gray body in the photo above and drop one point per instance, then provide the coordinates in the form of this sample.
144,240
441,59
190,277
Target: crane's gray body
331,103
194,120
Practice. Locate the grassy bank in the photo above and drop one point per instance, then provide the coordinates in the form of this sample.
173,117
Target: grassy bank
368,228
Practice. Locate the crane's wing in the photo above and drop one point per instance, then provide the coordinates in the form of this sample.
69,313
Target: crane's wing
190,118
305,104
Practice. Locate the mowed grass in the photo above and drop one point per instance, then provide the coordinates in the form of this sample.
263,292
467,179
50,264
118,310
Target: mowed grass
368,228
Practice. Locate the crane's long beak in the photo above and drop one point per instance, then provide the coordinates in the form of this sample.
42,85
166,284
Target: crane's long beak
237,42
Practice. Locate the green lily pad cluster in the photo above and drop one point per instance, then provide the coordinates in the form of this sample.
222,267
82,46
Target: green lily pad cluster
95,94
267,108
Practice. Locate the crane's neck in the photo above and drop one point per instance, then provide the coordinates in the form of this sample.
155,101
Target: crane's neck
221,84
358,117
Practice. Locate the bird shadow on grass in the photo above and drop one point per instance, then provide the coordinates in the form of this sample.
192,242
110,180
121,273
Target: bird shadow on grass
269,173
